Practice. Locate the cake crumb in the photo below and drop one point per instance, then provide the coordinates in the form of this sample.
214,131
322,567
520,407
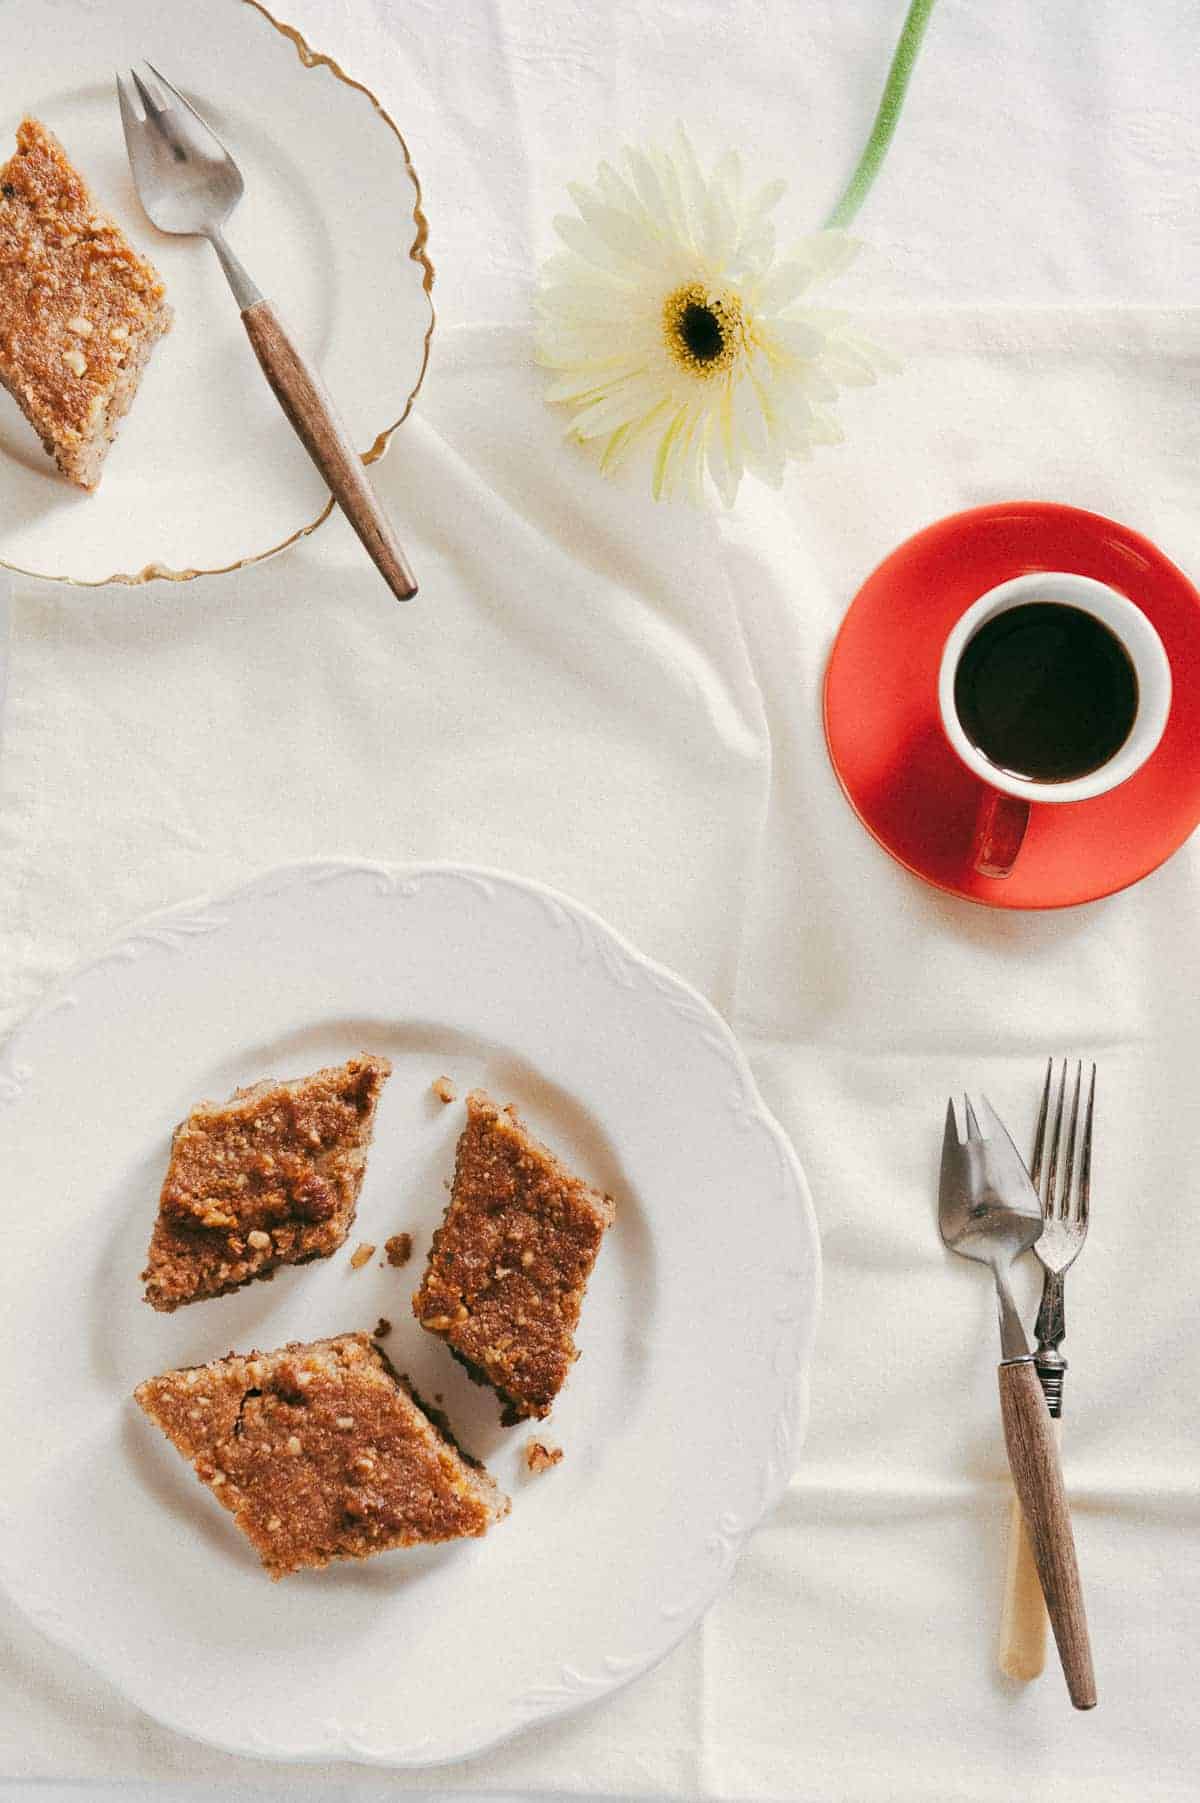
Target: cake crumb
362,1255
540,1457
398,1249
383,1328
444,1090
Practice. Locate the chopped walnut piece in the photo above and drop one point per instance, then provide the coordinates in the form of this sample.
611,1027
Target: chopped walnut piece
383,1328
399,1249
540,1457
362,1255
444,1090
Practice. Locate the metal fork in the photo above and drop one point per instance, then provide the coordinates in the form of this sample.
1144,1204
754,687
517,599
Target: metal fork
1064,1179
1066,1209
988,1210
189,184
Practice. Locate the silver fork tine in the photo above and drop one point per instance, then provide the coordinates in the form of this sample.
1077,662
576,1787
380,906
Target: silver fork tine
188,125
129,114
164,86
168,87
973,1131
1066,1202
950,1139
1085,1157
1039,1142
153,107
1048,1194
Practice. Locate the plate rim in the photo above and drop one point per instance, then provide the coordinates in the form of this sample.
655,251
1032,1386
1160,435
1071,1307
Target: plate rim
733,1535
418,252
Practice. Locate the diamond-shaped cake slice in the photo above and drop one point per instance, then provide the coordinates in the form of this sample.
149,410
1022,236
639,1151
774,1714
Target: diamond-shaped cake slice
322,1452
507,1271
80,310
269,1178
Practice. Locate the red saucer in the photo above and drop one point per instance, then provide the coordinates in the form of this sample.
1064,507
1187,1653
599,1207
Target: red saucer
885,736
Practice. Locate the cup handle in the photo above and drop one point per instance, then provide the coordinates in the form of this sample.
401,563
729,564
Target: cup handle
1000,823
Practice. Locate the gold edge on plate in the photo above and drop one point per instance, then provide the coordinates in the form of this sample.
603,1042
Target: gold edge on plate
418,253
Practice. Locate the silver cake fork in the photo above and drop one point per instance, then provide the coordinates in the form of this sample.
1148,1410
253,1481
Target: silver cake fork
189,184
1063,1175
988,1210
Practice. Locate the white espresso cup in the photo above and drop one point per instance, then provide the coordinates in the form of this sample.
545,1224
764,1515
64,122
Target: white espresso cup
1007,797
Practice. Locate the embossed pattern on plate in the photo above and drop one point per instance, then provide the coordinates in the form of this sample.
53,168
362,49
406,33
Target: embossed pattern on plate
681,1423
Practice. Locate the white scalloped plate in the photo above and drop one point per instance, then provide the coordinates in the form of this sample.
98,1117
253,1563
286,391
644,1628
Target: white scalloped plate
206,474
680,1423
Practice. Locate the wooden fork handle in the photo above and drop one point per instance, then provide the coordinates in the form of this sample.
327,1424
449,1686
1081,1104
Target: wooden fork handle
301,393
1038,1481
1023,1621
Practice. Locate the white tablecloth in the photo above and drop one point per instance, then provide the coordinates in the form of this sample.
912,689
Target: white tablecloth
623,700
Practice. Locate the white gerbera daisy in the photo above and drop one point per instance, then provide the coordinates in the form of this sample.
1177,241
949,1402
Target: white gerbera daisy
672,328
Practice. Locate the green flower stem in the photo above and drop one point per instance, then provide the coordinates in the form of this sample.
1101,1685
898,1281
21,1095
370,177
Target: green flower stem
887,118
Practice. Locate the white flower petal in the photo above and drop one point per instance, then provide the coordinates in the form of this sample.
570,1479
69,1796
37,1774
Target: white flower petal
615,191
620,408
664,454
795,336
825,254
651,193
582,383
719,239
785,282
812,380
585,244
623,235
693,187
881,361
627,438
765,201
824,428
756,253
845,365
564,271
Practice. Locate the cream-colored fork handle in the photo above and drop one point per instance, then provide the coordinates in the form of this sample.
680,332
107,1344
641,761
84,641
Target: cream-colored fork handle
1023,1618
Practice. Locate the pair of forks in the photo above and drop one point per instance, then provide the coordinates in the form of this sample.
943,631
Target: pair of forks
990,1211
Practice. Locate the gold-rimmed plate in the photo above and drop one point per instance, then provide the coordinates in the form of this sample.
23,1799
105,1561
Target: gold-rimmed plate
206,475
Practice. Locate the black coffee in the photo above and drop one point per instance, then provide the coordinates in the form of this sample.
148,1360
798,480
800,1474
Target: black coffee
1046,692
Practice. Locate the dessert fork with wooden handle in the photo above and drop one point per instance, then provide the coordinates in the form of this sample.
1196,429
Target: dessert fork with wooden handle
989,1210
189,184
1062,1171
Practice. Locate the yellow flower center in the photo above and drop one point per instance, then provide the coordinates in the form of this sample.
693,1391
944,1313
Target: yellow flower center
702,330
